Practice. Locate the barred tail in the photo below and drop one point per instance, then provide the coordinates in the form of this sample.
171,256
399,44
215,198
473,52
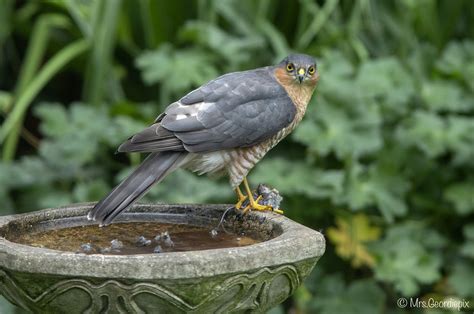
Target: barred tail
152,170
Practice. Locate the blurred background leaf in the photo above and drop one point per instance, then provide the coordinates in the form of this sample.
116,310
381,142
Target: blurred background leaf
350,238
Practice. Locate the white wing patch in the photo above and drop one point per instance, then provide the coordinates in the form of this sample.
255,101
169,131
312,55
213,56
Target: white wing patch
204,105
181,112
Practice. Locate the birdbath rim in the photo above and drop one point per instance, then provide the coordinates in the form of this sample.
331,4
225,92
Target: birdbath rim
296,242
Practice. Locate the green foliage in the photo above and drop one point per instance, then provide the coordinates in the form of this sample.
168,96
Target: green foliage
462,197
467,249
297,178
383,160
167,67
409,255
335,296
457,62
461,279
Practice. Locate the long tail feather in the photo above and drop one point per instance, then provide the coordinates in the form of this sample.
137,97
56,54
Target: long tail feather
152,170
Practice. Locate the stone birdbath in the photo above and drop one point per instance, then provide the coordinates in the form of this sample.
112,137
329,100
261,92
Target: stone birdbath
238,278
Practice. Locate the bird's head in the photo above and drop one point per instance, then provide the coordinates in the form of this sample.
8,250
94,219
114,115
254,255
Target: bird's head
302,69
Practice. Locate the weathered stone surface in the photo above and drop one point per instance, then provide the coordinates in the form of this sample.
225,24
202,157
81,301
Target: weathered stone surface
252,278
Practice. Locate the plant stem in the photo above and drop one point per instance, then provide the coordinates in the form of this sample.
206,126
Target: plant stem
34,55
53,66
104,33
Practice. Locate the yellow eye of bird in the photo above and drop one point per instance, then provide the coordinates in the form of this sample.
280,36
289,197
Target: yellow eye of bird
290,67
311,70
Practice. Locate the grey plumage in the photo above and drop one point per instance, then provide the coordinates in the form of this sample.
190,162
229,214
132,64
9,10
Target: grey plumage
298,58
238,109
153,139
206,131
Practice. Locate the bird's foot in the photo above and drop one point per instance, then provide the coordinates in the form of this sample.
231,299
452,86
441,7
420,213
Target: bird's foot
240,199
239,203
254,205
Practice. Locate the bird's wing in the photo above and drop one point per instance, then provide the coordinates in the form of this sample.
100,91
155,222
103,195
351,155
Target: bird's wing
155,138
235,110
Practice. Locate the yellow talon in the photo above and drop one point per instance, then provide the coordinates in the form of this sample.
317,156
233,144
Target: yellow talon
246,209
278,211
240,198
253,204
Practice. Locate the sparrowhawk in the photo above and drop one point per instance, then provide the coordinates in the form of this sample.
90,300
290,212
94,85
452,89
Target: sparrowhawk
225,126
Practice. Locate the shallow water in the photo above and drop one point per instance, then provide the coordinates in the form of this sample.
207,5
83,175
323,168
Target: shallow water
95,240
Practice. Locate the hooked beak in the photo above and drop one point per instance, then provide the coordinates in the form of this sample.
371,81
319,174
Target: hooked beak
301,74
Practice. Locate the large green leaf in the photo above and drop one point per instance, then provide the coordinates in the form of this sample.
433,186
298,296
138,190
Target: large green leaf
387,82
444,95
461,279
76,136
457,61
361,296
377,186
176,70
462,196
336,130
424,130
467,249
236,50
297,178
409,256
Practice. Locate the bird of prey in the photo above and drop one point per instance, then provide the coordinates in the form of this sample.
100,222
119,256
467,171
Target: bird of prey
225,126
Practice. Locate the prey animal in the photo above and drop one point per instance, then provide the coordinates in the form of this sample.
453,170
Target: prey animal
225,126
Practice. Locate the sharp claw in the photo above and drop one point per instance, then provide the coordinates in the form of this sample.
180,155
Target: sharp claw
238,205
278,211
253,203
256,206
260,207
